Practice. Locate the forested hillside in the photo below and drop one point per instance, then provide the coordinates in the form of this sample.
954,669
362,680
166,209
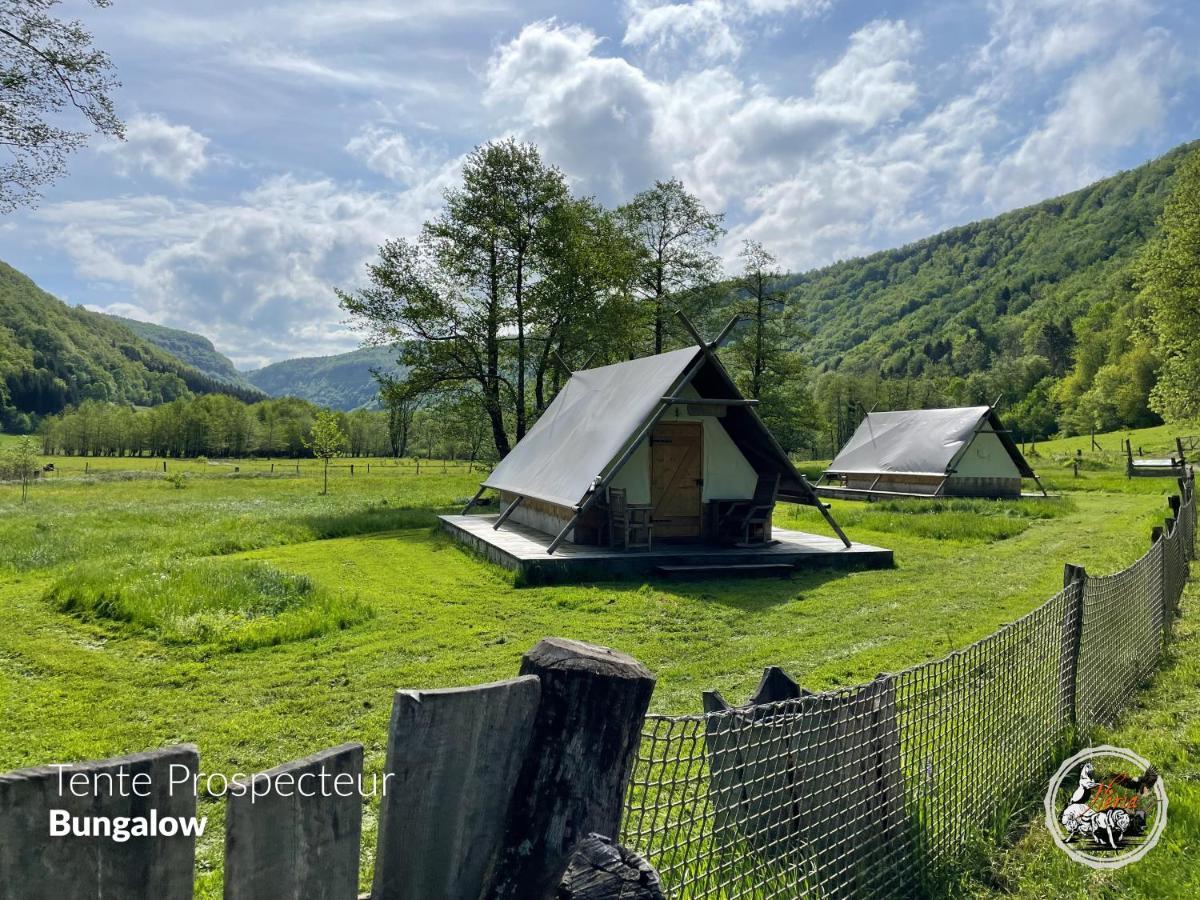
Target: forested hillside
340,382
1036,304
53,356
194,349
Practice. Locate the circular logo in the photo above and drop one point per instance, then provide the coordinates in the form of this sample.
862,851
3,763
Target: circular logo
1106,807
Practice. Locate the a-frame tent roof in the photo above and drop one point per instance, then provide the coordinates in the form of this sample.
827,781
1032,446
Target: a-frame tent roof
920,442
586,431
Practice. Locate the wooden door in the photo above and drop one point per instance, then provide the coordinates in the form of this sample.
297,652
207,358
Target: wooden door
676,470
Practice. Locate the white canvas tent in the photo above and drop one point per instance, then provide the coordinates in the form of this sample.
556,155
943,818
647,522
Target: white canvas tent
671,430
963,451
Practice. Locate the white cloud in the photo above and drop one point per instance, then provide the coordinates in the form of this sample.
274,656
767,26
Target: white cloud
255,275
1106,106
391,154
174,153
712,28
1050,34
620,129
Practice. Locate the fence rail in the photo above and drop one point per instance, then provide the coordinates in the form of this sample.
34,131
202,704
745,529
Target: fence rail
876,790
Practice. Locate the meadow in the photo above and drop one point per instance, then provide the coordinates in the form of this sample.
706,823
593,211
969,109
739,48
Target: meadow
245,612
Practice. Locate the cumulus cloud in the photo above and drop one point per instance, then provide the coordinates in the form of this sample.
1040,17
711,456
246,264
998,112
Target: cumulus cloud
1050,34
602,116
391,154
174,153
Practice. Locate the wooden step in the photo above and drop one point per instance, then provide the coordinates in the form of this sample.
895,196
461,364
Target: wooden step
728,569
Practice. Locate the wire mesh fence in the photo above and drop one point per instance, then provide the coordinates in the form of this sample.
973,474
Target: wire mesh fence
876,790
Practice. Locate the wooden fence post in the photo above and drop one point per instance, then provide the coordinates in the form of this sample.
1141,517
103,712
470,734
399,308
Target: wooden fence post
1072,635
452,762
295,834
577,766
35,864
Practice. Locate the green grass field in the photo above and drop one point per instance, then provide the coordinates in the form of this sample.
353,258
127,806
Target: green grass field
250,615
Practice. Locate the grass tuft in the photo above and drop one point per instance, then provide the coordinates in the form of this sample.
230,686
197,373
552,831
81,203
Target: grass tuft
234,604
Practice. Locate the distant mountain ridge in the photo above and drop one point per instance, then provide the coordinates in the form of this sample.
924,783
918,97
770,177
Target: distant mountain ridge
193,349
53,356
343,381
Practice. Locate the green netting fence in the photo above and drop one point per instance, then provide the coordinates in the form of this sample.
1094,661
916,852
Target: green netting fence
878,790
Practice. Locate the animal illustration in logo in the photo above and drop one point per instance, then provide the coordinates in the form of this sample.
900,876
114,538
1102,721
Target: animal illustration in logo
1099,811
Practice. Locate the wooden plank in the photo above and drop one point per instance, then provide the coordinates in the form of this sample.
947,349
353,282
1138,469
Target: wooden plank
35,864
454,756
282,844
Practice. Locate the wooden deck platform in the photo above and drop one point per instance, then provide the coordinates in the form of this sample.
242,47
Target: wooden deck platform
844,493
523,550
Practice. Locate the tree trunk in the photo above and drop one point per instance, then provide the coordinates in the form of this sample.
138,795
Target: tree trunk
520,348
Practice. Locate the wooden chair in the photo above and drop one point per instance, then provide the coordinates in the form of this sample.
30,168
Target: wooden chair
632,525
751,520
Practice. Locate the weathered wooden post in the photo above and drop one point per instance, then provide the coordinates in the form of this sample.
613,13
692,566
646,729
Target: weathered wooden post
1072,634
600,869
581,752
452,762
137,788
294,834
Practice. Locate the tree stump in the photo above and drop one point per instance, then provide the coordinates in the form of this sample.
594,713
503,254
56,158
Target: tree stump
580,754
601,869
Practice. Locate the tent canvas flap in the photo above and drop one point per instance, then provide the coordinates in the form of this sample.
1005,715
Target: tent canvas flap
590,422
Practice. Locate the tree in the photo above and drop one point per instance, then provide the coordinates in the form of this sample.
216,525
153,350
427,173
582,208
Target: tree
1169,278
760,306
515,194
582,306
675,235
46,66
764,356
399,403
326,441
20,464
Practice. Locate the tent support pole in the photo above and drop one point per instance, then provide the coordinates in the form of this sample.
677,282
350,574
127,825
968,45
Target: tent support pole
562,535
824,508
725,332
474,500
507,512
1041,486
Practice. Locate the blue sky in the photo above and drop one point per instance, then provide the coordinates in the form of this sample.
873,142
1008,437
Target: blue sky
272,147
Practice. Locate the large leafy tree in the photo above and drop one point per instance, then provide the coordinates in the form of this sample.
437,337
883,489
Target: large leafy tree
512,269
1169,277
676,236
47,67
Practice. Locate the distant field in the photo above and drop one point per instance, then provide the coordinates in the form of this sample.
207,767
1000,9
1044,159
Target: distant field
246,613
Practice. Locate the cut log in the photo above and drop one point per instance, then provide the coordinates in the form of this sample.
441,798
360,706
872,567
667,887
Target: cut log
603,870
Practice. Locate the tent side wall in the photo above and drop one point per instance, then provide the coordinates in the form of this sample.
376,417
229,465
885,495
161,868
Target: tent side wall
552,518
